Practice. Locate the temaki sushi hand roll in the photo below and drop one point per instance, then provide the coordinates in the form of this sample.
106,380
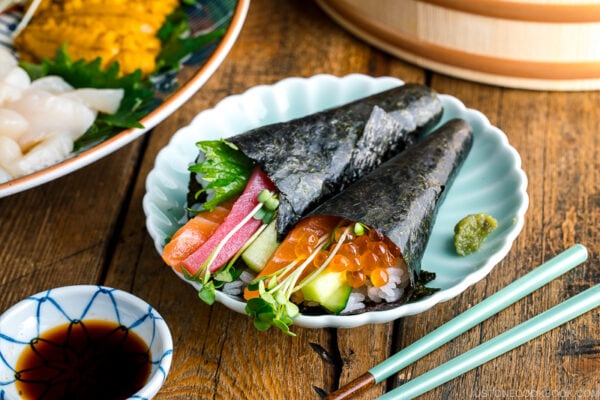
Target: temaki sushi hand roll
367,241
273,175
310,158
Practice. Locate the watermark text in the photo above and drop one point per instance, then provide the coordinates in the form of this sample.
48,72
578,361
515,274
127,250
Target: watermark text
498,393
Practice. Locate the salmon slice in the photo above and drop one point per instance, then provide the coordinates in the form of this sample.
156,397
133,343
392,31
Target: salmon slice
194,233
294,247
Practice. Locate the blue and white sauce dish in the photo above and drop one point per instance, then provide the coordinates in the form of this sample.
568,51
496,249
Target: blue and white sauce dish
78,325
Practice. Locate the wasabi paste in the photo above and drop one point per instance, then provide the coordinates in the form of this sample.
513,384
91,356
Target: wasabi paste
471,231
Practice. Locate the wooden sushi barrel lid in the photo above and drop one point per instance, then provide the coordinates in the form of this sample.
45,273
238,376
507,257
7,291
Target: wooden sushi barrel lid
530,44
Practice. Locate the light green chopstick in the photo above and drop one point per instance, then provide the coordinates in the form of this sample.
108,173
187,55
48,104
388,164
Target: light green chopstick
535,279
536,326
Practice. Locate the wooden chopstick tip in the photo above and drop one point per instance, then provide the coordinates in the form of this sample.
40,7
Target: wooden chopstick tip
353,387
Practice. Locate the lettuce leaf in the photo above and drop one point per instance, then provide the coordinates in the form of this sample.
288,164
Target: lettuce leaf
225,171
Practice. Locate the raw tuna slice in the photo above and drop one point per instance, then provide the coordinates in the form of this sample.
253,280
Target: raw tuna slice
242,207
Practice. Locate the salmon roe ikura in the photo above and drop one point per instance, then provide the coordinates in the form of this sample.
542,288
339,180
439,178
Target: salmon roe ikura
361,257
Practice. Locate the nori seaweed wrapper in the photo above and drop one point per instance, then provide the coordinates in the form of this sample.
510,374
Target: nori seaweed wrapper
401,198
313,157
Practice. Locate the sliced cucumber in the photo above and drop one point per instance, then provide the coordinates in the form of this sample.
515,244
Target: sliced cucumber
259,252
329,289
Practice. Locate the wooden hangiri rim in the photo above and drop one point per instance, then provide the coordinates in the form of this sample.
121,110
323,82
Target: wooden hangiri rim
487,64
525,11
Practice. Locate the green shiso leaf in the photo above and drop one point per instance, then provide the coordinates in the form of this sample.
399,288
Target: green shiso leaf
225,170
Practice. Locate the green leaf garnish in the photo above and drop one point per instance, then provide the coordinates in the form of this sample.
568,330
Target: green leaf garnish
273,305
225,170
136,103
208,293
265,315
176,45
223,275
360,229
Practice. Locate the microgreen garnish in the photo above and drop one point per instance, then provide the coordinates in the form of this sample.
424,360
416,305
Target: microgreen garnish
273,306
268,199
360,229
207,292
225,275
268,211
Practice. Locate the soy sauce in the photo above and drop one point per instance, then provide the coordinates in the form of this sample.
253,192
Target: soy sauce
90,359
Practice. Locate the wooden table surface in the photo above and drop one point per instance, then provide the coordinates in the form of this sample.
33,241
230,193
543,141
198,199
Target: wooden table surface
89,228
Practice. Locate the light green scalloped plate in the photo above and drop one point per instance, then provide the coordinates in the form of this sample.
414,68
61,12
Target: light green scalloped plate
491,180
